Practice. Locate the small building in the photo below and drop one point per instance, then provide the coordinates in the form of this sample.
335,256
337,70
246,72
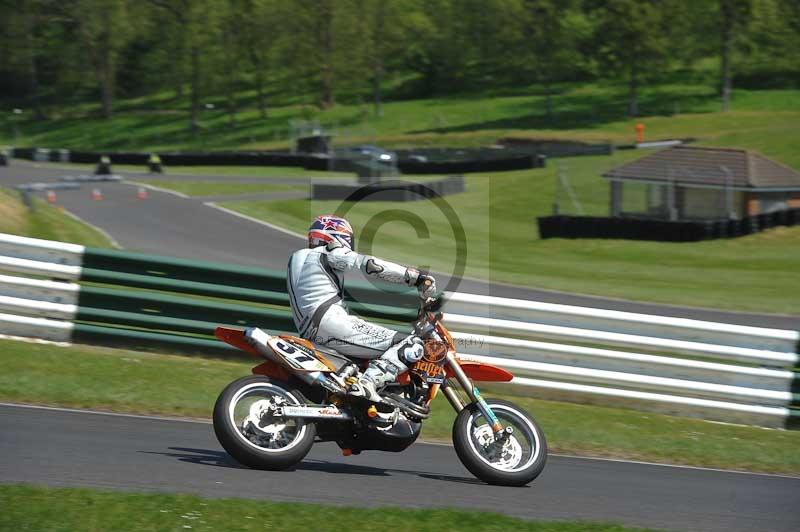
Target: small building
695,183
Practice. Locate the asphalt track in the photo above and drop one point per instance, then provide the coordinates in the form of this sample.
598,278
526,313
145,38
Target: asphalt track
61,448
168,224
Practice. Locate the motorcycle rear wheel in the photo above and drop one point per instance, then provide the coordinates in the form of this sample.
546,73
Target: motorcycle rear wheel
259,441
515,461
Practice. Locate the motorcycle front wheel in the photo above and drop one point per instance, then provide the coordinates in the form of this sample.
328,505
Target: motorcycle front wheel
245,428
514,460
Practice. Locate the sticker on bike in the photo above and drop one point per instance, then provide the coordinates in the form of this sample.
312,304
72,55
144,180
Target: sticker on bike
295,356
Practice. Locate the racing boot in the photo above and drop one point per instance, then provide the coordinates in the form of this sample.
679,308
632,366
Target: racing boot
385,369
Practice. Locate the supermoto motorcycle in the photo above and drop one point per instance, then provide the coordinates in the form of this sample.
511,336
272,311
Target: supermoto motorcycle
297,396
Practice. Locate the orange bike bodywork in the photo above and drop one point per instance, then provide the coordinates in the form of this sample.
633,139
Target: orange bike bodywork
476,371
236,338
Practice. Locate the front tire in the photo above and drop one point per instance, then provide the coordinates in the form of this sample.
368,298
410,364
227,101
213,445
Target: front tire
515,462
257,440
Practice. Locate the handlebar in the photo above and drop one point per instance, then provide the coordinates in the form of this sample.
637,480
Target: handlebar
424,326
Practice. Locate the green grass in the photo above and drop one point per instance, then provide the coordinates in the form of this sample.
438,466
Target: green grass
45,221
70,509
499,212
205,188
593,111
127,381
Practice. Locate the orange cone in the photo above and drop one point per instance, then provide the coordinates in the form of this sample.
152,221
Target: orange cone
51,196
142,194
97,194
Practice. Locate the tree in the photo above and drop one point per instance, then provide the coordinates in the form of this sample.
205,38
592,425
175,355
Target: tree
256,28
103,32
733,17
630,37
386,29
553,31
766,48
192,20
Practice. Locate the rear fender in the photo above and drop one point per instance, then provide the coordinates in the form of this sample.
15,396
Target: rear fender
236,338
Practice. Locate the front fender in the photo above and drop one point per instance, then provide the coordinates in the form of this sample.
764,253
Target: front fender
480,372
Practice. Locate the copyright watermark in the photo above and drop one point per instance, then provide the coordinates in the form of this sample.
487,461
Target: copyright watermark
424,211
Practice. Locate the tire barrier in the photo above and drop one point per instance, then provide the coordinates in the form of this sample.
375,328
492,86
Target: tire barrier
196,159
681,366
556,148
461,161
450,161
662,231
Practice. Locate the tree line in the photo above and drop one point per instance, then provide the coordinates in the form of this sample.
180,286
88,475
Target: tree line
61,52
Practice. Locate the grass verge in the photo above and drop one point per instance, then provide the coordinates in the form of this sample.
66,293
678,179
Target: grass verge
127,381
68,509
204,188
45,221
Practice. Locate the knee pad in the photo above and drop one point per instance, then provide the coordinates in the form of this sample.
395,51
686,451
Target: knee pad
412,351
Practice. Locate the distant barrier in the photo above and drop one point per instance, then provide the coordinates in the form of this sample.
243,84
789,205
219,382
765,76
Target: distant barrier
69,293
474,160
660,230
556,148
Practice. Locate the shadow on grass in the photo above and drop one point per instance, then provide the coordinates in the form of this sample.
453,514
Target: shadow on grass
214,458
591,109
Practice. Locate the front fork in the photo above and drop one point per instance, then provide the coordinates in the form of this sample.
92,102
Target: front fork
474,395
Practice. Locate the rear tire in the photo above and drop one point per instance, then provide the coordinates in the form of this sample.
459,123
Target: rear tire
519,462
251,447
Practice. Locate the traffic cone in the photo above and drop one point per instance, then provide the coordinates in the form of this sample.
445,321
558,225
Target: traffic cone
97,194
142,193
51,196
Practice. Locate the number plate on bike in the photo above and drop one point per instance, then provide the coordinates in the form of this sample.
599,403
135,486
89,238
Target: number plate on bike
296,356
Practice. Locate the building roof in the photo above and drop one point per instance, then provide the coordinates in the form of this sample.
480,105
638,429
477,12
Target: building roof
707,166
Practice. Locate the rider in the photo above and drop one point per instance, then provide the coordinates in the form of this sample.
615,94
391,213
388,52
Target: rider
315,283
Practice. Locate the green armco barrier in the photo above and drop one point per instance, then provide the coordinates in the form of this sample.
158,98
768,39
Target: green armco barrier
153,321
185,287
164,305
97,334
165,323
231,292
165,313
184,269
232,275
182,307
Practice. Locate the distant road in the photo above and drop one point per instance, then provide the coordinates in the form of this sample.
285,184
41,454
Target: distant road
59,448
184,227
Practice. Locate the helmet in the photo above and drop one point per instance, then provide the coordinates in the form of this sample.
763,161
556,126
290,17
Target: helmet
328,228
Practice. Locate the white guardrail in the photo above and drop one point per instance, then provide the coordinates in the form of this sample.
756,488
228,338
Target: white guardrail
687,367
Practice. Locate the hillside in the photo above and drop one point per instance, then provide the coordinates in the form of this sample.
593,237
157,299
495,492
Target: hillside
766,120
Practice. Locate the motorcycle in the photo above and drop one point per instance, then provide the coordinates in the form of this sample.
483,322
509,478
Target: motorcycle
297,397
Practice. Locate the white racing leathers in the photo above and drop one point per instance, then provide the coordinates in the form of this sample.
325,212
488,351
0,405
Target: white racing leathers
314,280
